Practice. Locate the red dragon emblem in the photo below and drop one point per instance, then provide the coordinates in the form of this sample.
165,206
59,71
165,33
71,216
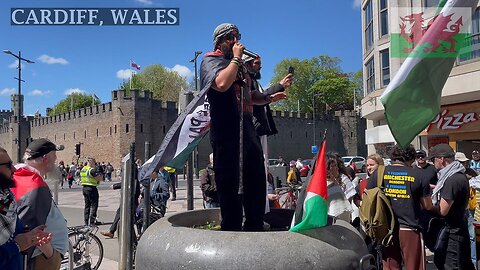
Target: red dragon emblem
439,34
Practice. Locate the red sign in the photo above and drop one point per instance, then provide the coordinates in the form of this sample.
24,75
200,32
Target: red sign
455,121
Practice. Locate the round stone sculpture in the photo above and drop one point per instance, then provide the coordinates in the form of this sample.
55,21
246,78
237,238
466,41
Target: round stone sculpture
173,243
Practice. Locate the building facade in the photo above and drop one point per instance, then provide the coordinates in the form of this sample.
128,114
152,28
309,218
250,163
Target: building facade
457,122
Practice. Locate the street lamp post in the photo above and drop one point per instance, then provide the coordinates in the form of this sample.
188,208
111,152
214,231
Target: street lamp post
19,108
194,157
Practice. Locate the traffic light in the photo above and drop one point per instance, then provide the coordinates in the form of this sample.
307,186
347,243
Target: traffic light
77,149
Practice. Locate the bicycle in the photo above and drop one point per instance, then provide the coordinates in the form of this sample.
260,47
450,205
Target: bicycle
291,192
85,249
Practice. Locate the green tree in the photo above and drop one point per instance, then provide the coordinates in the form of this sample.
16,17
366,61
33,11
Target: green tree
319,78
72,102
163,83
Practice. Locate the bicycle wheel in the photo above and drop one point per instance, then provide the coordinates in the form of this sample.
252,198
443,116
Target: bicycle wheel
67,262
87,250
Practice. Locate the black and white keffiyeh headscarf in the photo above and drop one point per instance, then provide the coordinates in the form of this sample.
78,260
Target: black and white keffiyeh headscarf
8,215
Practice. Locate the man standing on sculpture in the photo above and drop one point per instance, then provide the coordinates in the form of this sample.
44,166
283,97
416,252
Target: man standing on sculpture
224,75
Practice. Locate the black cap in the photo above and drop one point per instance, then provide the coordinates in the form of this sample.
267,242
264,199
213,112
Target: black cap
40,147
420,153
441,150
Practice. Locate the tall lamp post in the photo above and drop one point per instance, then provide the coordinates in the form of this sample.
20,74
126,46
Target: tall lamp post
194,158
19,108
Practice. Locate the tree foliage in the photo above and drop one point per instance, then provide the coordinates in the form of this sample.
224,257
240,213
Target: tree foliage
72,102
318,79
163,83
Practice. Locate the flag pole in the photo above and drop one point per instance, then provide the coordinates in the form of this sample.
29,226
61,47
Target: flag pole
131,74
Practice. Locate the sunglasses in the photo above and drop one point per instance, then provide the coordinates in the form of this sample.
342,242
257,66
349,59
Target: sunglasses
420,157
8,163
231,36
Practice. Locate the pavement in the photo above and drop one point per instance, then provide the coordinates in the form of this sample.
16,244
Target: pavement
71,203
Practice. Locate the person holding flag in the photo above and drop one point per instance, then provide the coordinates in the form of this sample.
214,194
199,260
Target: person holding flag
231,99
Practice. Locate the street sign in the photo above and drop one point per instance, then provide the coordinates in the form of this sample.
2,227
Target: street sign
314,149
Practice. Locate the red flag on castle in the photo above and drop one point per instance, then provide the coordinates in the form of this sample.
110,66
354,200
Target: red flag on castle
312,207
135,65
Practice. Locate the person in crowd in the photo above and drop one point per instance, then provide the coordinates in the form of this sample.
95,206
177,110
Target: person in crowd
13,238
353,166
372,163
222,75
35,204
472,205
63,172
113,228
339,205
90,178
450,199
271,195
208,185
299,164
475,162
427,169
172,181
108,172
292,174
159,193
262,115
409,191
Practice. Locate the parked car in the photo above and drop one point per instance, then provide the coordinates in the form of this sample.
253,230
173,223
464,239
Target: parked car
306,167
359,162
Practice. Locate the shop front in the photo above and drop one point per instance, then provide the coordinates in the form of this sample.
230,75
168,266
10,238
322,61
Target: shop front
457,125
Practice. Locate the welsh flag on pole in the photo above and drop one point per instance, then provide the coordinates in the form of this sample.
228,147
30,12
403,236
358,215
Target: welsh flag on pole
412,99
313,212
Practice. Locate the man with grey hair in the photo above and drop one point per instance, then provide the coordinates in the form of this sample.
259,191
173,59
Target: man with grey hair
450,198
35,202
231,98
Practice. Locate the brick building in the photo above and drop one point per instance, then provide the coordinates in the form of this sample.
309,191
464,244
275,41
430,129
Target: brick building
105,131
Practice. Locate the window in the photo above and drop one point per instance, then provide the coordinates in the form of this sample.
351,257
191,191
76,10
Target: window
368,15
141,128
115,129
474,40
110,131
97,132
431,3
370,68
383,18
85,134
385,67
74,135
126,128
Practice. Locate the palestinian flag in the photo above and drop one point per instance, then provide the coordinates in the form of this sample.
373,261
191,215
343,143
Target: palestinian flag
183,136
312,209
412,99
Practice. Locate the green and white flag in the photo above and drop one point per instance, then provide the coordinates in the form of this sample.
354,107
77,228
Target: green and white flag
412,99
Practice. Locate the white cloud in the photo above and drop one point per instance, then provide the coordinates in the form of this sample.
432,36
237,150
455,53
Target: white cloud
125,74
52,60
183,71
147,2
74,90
14,64
38,92
357,3
7,91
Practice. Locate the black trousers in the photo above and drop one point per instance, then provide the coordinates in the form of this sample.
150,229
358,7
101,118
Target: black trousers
116,219
226,167
457,253
90,194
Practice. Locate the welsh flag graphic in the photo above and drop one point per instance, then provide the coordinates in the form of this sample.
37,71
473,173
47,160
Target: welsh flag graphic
313,212
412,99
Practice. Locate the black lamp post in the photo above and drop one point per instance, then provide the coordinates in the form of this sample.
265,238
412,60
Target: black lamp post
194,60
19,108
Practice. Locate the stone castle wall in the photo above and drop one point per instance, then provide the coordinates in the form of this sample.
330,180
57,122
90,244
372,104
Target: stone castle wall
106,131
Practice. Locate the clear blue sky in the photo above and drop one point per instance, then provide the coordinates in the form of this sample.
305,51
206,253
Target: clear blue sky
95,59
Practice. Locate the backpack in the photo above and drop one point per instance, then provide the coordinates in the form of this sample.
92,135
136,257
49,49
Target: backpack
376,213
